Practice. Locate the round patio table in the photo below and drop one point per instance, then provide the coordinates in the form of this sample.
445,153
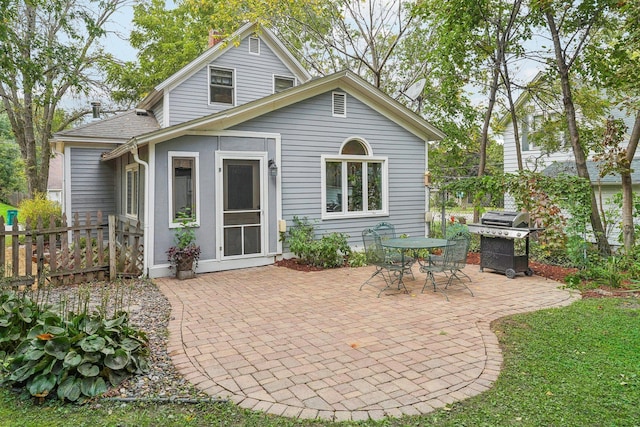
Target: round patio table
412,243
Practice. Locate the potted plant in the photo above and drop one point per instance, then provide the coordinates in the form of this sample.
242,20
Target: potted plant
184,255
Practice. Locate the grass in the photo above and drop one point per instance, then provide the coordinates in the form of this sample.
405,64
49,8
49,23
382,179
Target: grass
571,366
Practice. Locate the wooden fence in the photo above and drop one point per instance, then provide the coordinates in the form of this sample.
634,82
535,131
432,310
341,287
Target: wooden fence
60,254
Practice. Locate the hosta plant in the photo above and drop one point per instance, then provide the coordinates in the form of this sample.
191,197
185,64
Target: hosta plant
75,355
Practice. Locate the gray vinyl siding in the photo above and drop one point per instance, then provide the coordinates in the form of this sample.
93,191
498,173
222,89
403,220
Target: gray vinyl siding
206,147
308,131
92,183
158,112
253,80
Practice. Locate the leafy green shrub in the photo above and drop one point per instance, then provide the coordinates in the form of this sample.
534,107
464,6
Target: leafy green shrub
72,354
39,206
609,272
328,252
18,314
357,259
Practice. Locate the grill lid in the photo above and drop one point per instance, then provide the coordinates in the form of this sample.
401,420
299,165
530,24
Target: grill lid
506,219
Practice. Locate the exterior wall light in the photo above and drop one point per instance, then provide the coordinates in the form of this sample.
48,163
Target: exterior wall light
273,168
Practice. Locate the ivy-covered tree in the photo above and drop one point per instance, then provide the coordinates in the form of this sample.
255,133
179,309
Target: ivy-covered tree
571,27
613,63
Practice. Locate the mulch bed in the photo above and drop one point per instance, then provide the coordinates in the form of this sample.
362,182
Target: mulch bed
552,272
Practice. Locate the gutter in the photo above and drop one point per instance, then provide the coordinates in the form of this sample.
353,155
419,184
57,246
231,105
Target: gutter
147,247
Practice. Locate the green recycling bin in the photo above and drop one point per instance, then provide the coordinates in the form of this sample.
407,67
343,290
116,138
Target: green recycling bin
12,215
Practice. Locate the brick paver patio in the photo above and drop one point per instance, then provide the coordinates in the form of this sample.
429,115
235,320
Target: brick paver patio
311,345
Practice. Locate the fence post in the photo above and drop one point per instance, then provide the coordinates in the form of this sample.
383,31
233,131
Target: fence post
112,247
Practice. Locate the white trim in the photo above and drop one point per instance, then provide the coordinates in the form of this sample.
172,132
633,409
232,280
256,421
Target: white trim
262,157
135,168
355,86
196,156
149,206
166,109
250,38
211,54
360,159
66,176
212,265
233,85
281,77
335,95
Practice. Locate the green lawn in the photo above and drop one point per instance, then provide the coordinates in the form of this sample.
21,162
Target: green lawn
572,366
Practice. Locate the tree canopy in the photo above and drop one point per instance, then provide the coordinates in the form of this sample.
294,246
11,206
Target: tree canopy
50,50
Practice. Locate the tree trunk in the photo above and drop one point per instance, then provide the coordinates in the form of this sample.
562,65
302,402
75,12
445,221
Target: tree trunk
628,229
578,151
514,116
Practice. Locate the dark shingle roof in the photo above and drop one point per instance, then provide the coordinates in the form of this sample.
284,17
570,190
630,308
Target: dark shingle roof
120,126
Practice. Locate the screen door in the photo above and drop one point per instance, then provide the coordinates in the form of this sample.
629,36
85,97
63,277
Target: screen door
242,213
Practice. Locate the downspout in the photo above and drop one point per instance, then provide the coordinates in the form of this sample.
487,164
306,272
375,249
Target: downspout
146,248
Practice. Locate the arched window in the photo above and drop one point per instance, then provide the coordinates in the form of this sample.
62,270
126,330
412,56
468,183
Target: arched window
354,148
354,181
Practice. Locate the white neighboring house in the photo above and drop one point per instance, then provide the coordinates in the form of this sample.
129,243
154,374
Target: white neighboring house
553,164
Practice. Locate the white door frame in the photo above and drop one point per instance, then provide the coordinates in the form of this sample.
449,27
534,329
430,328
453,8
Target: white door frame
260,156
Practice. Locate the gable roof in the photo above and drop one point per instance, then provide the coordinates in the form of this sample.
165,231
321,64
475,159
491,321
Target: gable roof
217,50
569,168
344,80
522,99
116,129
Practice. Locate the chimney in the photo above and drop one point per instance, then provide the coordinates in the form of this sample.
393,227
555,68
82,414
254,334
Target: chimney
95,110
214,37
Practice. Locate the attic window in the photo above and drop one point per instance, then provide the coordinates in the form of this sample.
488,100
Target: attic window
283,83
221,85
254,45
339,104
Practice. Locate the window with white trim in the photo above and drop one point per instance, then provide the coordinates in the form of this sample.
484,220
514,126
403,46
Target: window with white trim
183,186
131,197
281,83
221,86
354,182
254,45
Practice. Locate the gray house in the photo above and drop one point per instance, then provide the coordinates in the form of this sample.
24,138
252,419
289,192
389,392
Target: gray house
243,140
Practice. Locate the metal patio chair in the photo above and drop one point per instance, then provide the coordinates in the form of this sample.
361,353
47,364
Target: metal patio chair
450,264
387,268
387,230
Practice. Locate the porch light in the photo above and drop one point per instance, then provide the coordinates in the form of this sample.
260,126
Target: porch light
273,168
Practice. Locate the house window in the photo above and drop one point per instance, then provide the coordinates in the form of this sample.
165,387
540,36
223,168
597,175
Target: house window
354,182
283,83
131,197
183,187
254,45
339,104
221,86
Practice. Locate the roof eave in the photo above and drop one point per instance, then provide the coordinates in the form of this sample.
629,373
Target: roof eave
234,116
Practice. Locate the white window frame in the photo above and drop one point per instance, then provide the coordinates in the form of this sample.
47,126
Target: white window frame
335,95
259,45
365,205
196,165
131,211
233,85
289,78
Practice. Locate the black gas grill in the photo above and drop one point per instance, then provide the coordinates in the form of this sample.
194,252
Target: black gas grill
498,250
